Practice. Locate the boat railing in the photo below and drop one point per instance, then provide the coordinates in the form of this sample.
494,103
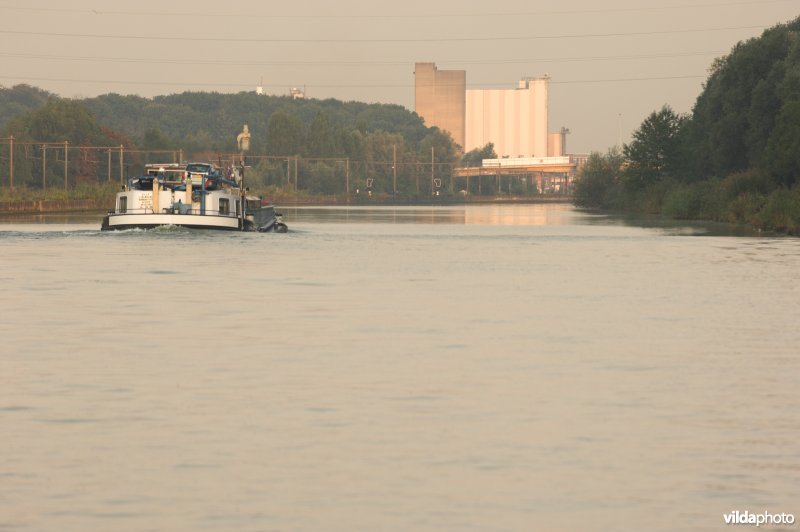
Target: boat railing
182,210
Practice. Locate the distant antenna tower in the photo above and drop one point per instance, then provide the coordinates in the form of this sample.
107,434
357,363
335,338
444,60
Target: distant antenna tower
260,88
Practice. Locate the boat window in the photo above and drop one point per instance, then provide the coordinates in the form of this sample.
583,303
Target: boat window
238,208
198,168
224,206
123,204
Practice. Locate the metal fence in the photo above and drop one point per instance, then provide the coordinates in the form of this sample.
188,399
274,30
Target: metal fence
62,164
44,165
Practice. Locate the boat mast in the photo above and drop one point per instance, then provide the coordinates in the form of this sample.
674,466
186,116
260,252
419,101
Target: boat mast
243,142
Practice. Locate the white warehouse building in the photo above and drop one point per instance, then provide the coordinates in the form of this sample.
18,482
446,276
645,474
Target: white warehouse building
515,120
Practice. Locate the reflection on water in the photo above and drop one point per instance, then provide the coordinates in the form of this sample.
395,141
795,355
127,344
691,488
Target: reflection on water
540,214
550,214
524,367
547,214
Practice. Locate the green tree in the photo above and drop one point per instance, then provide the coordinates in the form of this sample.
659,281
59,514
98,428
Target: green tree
655,149
154,139
735,158
737,111
285,134
445,150
351,144
379,149
197,143
320,177
595,186
56,121
445,154
782,154
320,141
328,122
475,157
19,99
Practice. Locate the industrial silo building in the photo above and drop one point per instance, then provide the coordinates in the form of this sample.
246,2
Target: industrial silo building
440,99
515,120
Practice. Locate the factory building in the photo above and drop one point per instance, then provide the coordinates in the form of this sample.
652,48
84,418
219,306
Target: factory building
515,120
440,98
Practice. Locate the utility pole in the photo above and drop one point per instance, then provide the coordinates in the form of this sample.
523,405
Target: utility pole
44,166
394,170
432,175
11,161
121,167
347,177
66,165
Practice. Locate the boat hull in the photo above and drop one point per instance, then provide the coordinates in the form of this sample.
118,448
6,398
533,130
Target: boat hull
121,222
262,220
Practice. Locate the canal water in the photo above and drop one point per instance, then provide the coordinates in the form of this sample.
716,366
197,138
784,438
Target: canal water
524,367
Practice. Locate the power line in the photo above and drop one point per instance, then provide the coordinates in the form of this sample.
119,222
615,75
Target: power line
585,58
381,40
226,62
308,16
620,80
161,82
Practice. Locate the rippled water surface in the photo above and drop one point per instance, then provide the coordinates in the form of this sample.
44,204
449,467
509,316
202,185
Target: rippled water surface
459,368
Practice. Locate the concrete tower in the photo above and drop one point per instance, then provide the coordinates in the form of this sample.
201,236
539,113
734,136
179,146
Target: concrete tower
440,99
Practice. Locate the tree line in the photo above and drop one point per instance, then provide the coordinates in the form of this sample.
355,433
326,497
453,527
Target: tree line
387,144
735,157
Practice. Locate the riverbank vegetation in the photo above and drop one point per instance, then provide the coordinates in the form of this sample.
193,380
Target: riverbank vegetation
734,158
302,145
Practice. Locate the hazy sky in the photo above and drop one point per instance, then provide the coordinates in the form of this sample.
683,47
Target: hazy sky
611,63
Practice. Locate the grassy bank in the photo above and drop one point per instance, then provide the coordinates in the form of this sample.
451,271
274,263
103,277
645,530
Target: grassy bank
97,192
740,198
83,197
743,198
